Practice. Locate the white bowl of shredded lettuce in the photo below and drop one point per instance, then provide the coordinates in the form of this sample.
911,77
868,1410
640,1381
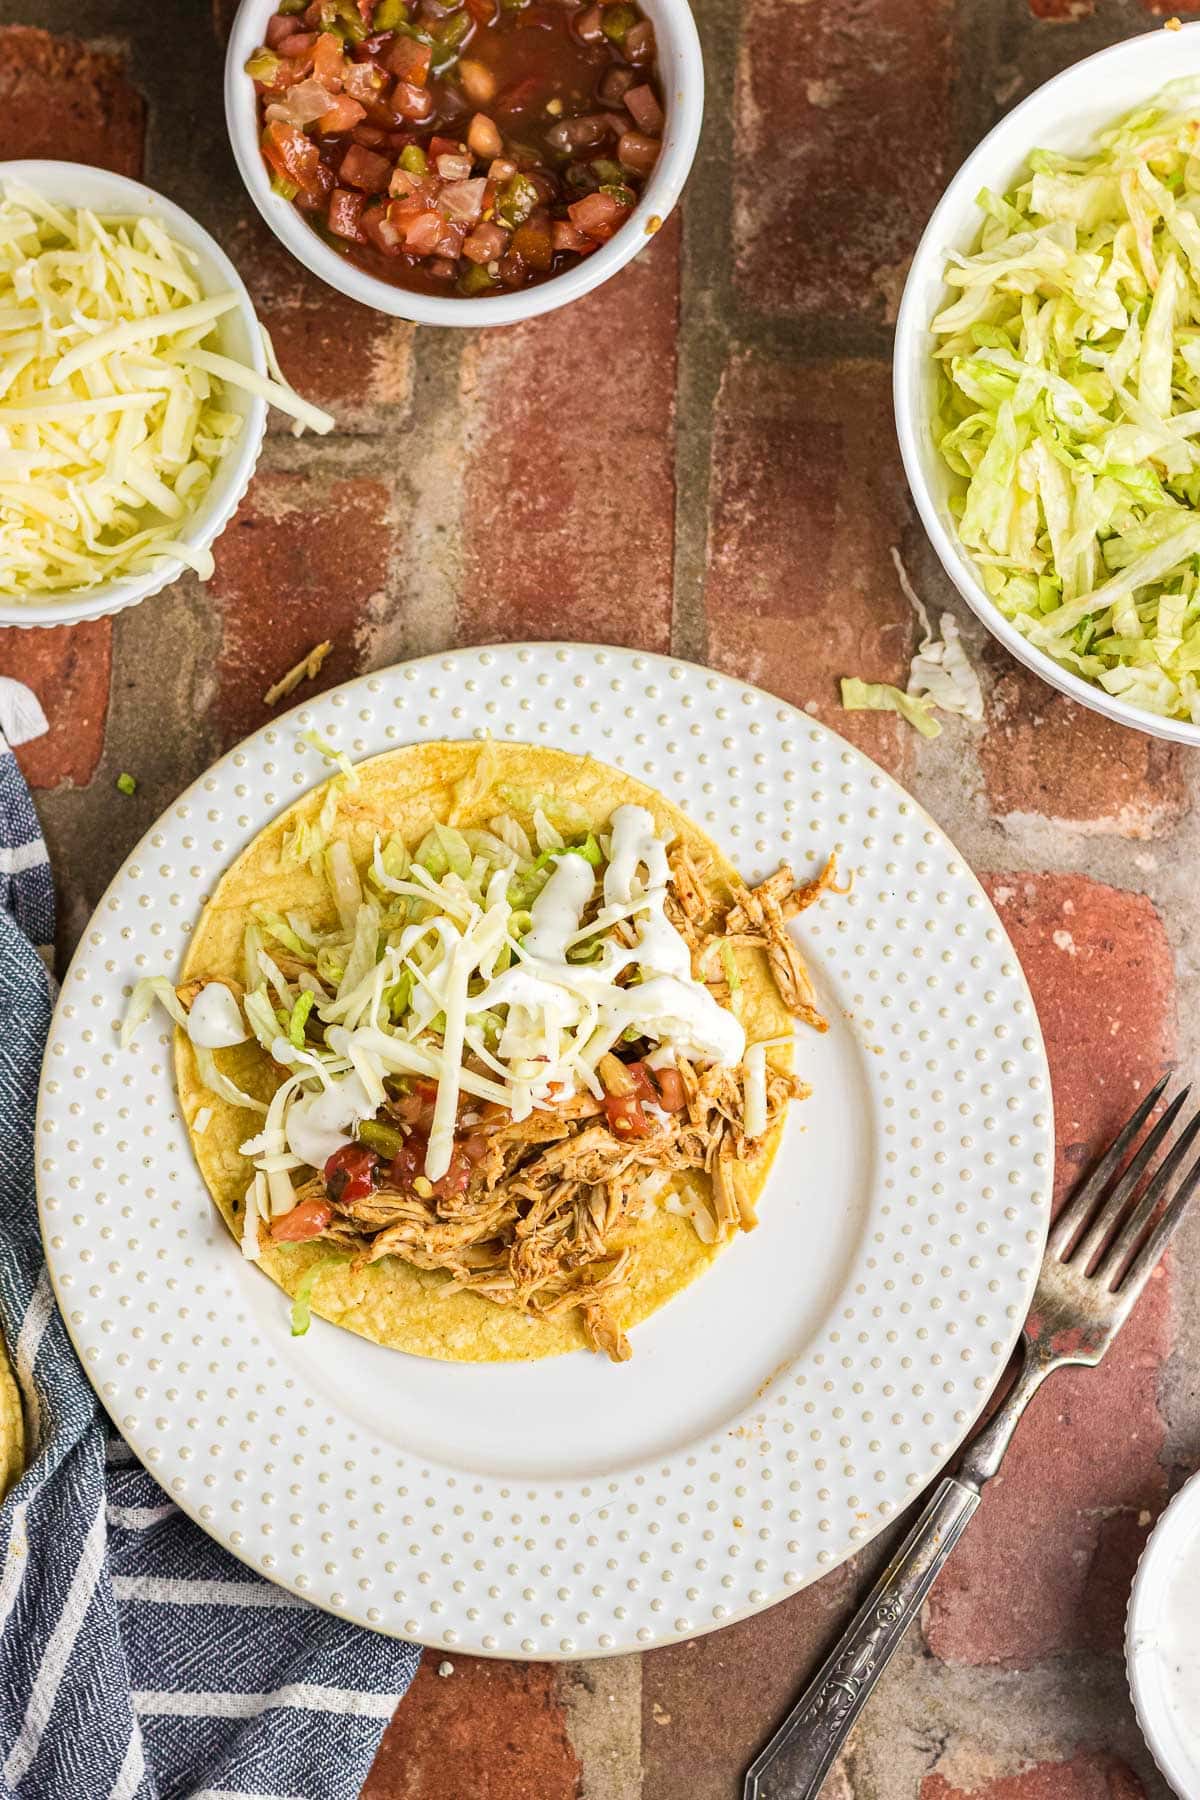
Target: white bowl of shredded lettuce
1047,382
134,383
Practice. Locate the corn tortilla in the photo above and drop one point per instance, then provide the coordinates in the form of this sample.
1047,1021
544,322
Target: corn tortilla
406,791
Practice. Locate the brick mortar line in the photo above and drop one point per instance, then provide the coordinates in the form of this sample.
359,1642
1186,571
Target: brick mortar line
703,337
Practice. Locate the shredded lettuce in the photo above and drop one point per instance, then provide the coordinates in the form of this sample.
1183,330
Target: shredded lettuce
558,812
141,1004
300,1012
332,755
880,696
1069,407
279,929
302,1298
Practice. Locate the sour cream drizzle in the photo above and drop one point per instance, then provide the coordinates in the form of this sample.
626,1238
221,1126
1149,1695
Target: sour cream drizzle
319,1124
668,1004
215,1019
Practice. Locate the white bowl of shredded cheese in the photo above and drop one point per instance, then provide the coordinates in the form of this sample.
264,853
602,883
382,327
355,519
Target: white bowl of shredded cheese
133,393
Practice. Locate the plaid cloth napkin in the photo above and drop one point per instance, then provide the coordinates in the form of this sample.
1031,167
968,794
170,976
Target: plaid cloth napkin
138,1660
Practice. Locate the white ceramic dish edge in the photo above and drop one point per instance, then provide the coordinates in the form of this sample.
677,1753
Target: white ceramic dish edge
104,192
1062,114
1181,1518
1009,1249
682,68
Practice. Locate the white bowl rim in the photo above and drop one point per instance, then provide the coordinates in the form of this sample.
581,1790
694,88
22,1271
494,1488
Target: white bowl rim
911,324
1144,1601
234,471
685,108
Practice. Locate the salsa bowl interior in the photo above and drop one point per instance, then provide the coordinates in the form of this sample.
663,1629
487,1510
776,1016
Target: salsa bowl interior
681,75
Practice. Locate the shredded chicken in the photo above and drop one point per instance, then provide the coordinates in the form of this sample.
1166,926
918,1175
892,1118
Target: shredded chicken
758,920
541,1221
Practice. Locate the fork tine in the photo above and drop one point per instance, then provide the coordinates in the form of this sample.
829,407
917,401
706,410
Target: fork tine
1140,1217
1109,1215
1078,1209
1149,1256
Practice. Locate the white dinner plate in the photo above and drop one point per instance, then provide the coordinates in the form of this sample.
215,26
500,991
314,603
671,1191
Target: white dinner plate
776,1414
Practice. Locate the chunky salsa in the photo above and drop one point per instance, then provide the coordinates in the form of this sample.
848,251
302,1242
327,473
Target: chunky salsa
460,146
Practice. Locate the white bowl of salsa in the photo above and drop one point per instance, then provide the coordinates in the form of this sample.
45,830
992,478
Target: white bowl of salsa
469,170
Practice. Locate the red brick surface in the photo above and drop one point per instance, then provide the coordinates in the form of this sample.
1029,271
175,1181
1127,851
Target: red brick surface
69,668
489,1731
824,221
1047,1565
339,354
806,498
64,99
738,1682
1083,1778
710,432
1100,967
570,491
301,561
1046,756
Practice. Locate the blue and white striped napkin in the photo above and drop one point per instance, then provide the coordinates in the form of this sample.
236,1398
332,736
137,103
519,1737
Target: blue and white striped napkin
138,1660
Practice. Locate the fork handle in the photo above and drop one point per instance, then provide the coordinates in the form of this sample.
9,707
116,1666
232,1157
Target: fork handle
828,1707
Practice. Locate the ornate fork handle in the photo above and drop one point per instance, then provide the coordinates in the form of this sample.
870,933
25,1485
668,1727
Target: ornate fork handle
841,1687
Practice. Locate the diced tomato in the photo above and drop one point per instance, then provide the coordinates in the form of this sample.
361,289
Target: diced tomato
625,1116
443,146
485,244
328,63
411,102
639,42
363,81
416,1107
308,1219
291,154
598,214
365,169
404,1169
647,114
428,234
643,1082
345,214
566,236
300,44
370,136
351,1173
380,231
312,199
408,60
343,115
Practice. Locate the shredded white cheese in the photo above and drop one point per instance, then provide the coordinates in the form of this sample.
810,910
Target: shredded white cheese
112,397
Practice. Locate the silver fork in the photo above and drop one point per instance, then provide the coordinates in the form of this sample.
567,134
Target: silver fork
1101,1251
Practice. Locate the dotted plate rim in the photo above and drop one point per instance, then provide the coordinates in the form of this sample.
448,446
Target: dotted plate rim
763,1525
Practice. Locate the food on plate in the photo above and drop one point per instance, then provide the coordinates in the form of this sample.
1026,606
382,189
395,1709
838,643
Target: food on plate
113,414
460,148
486,1050
1069,404
12,1426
